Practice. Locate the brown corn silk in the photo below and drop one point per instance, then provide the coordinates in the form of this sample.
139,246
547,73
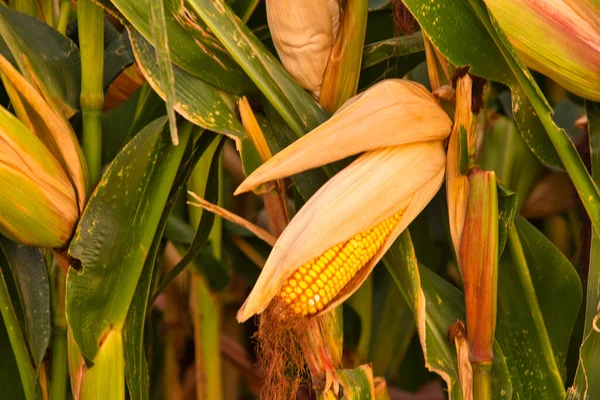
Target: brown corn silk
309,290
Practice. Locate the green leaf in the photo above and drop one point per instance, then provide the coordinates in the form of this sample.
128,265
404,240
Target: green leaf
490,55
505,152
17,340
294,104
165,68
394,330
204,227
193,48
587,379
105,380
362,302
149,107
196,100
179,231
436,305
205,315
31,277
115,233
115,126
539,294
381,51
440,357
10,381
507,209
136,366
53,58
117,53
357,383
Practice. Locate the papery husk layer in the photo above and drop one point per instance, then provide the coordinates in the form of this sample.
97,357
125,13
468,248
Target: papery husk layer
371,189
390,113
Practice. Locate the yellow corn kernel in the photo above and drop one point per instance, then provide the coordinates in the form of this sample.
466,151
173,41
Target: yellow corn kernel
332,271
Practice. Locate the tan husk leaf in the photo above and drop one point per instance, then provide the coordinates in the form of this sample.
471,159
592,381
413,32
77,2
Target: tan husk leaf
371,189
390,113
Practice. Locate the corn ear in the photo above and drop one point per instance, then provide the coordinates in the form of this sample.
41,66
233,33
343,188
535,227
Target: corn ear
303,34
479,261
52,128
38,204
572,56
376,186
391,113
317,282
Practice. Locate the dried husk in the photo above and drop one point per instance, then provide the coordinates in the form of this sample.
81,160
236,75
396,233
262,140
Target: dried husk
390,113
457,183
371,189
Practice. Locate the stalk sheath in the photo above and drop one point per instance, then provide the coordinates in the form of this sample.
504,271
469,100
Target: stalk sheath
91,45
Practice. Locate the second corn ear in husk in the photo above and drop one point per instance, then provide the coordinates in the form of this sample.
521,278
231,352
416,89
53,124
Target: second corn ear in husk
339,235
303,33
38,205
559,38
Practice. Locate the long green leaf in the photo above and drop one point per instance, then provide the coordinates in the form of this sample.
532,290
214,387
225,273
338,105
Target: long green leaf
538,297
136,365
204,228
587,379
163,56
394,330
53,58
115,233
436,305
357,383
192,47
196,100
10,381
294,104
17,341
31,277
378,52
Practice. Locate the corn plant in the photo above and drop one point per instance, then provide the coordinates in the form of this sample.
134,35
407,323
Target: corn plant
317,199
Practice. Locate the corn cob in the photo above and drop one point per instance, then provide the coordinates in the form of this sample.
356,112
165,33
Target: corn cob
317,282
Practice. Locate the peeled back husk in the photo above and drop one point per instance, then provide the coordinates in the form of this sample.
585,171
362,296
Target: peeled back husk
390,113
371,189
